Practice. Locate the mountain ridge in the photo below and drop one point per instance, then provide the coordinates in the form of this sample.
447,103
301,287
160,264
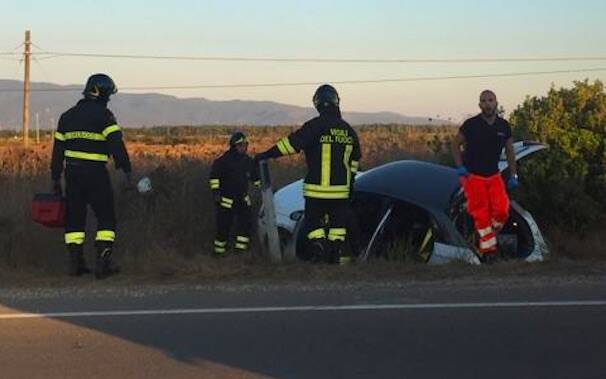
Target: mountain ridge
49,100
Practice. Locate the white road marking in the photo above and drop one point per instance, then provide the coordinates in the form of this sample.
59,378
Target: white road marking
306,308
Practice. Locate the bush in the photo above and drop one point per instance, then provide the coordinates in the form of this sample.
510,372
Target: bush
565,187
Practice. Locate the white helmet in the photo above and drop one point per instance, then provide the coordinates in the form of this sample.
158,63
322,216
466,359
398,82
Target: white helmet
144,185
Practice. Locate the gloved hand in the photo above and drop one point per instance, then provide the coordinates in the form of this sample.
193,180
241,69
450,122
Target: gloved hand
56,187
462,171
512,182
260,157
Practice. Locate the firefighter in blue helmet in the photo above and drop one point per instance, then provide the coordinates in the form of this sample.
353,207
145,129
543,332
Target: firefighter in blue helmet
332,153
229,178
87,135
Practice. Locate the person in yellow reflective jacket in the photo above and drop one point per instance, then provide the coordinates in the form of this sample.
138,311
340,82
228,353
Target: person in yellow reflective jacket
332,153
87,136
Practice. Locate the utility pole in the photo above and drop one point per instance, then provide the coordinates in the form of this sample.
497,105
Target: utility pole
26,57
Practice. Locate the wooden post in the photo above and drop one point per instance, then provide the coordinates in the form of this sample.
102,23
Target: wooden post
26,57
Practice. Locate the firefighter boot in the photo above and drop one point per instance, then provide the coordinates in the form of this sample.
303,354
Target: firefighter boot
331,254
316,250
335,252
76,265
104,266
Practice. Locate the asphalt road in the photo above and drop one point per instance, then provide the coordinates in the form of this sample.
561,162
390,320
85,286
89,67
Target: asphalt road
440,330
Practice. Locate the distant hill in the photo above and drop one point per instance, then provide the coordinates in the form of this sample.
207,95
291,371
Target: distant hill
146,110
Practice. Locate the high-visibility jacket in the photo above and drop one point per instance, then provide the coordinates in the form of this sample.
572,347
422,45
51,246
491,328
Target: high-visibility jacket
230,175
332,153
87,135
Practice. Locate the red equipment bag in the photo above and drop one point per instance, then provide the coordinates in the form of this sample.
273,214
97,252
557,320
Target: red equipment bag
48,209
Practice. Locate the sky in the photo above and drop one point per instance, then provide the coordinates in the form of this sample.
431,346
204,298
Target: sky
381,29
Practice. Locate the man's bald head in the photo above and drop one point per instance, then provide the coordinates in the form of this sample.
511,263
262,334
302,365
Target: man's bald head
487,92
488,103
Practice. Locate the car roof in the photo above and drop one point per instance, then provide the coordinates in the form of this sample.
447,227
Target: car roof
424,184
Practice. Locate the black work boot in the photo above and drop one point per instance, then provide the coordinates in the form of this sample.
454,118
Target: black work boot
335,252
316,250
76,266
104,267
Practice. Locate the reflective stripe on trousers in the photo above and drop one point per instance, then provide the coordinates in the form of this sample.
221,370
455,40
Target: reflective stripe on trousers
220,246
316,234
337,234
106,235
242,242
76,238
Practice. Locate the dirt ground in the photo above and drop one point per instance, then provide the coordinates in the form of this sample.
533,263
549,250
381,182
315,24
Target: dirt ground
236,271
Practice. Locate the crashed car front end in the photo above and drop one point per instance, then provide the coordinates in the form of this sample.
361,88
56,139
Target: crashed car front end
419,202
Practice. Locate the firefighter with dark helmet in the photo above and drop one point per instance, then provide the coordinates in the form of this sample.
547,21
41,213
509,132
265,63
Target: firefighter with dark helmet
87,136
332,153
229,178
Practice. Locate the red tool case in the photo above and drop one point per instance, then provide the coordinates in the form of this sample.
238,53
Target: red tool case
48,209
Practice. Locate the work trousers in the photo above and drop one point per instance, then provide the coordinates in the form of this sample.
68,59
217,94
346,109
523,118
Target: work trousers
229,213
488,205
86,185
326,226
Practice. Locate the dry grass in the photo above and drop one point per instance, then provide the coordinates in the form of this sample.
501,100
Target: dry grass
170,231
588,246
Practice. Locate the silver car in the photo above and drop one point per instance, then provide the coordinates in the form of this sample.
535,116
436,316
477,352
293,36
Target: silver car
412,206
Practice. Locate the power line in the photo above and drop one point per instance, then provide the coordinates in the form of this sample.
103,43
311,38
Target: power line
20,62
38,47
58,54
14,52
344,82
45,57
371,81
44,72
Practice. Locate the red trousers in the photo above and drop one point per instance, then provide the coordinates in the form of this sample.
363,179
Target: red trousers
488,205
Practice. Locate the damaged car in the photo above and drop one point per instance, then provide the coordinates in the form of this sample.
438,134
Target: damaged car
411,209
